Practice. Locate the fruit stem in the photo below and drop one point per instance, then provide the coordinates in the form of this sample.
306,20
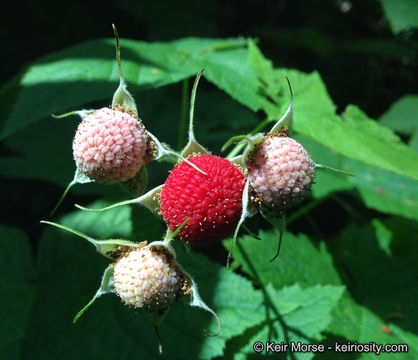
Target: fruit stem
160,343
303,210
172,234
281,225
251,233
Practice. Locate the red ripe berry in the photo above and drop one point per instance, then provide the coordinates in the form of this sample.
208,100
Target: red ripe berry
212,202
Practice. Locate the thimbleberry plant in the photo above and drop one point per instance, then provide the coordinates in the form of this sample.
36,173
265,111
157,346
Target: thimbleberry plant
203,200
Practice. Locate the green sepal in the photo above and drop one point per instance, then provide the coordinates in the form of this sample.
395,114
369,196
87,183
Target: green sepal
238,139
149,200
192,145
105,247
194,299
79,178
279,222
287,118
253,141
244,214
82,113
164,150
137,185
106,287
168,238
343,172
238,160
122,96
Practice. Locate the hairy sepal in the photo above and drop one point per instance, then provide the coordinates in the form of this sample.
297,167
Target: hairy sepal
82,113
137,185
122,96
149,200
253,141
106,287
106,248
79,178
194,299
245,213
193,147
287,119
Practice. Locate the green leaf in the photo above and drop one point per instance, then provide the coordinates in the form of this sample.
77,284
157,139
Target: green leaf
357,323
299,260
385,191
16,272
353,135
402,118
314,306
15,255
387,287
383,297
229,71
402,115
382,190
402,15
383,236
68,79
404,238
296,314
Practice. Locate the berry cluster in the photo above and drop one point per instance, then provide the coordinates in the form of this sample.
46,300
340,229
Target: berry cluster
204,199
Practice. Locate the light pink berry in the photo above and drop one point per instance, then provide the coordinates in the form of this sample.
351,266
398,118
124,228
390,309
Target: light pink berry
110,146
280,172
148,278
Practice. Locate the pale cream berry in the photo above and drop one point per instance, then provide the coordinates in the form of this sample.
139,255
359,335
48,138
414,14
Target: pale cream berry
148,278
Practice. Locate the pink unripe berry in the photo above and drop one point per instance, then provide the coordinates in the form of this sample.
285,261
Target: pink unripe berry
110,146
280,172
212,203
148,278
